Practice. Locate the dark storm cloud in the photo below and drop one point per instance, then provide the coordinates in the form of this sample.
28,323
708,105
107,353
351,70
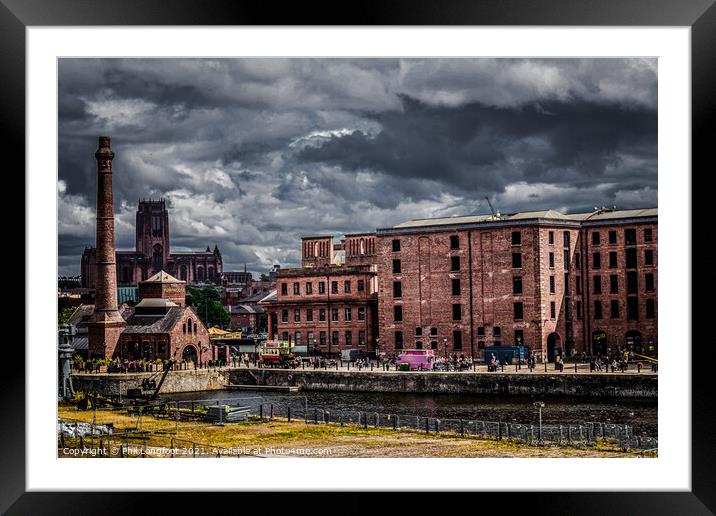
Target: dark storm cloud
253,153
471,147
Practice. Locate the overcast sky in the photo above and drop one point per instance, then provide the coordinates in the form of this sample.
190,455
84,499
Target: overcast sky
253,153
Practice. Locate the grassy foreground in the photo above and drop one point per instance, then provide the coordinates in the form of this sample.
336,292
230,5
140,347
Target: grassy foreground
279,438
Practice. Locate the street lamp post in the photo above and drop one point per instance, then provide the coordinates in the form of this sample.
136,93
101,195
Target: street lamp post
206,307
539,405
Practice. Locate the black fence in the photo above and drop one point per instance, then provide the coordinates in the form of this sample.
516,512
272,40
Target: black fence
297,409
572,434
586,433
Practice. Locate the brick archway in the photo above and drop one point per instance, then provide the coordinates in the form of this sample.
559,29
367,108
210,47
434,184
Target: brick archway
553,346
190,353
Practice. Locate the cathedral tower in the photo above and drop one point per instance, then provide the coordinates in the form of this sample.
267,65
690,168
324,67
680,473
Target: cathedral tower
153,233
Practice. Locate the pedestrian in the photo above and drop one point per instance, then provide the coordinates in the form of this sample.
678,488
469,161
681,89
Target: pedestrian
493,363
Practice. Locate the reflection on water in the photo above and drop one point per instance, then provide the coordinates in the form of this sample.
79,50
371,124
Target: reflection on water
640,414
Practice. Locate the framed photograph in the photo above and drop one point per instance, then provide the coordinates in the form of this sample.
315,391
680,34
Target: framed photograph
422,236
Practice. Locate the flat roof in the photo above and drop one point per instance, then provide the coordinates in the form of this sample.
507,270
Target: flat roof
526,215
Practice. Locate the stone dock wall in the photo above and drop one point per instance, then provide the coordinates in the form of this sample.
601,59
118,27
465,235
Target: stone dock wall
588,385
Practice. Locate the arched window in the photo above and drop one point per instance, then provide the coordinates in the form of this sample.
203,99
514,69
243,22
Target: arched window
200,273
182,273
189,324
210,271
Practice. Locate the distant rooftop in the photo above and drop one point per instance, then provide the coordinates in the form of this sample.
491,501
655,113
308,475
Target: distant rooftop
528,215
162,277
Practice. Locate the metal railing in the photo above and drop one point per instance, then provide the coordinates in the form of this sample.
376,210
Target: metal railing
581,434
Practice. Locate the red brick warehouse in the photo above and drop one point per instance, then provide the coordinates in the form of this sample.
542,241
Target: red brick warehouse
331,302
556,283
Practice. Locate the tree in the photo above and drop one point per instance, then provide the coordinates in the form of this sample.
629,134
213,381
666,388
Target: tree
65,314
264,277
207,304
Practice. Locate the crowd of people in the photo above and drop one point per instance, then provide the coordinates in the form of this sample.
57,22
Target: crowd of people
619,360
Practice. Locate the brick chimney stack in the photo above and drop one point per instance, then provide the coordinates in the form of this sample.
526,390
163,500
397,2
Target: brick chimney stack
106,323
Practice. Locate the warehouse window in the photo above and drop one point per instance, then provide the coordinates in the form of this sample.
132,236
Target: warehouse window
457,340
517,285
456,287
614,311
648,257
516,260
630,236
454,263
649,282
614,284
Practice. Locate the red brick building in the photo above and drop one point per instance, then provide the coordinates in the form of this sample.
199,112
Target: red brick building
462,283
159,326
163,327
330,303
248,315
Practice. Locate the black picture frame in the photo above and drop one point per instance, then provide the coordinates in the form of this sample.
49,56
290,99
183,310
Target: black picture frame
700,15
